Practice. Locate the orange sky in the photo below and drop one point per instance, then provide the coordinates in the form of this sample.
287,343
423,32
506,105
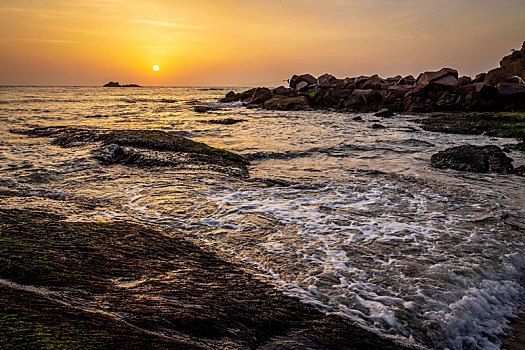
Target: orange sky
245,42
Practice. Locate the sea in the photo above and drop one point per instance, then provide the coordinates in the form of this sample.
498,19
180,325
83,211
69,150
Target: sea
347,218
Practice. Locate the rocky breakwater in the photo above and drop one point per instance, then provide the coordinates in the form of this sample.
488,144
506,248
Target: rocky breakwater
501,89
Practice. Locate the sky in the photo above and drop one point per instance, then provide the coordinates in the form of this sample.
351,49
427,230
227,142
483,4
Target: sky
248,42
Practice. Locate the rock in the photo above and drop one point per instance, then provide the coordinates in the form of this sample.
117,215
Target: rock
359,81
384,113
286,103
487,92
446,78
281,90
260,95
520,170
374,83
227,121
479,159
247,95
514,64
360,98
512,90
303,85
513,95
201,109
230,97
408,80
495,76
117,84
464,81
307,78
357,119
378,126
327,80
480,78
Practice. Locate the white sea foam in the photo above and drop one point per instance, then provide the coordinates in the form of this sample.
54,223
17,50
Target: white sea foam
317,227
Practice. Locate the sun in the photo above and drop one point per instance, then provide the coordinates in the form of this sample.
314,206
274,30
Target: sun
156,68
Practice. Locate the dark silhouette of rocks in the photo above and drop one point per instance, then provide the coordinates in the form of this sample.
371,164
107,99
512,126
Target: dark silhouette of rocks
499,89
117,84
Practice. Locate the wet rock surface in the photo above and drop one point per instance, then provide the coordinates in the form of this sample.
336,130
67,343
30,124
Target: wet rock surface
119,285
479,159
145,148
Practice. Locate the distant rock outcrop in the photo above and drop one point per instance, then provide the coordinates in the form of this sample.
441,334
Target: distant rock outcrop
116,84
500,89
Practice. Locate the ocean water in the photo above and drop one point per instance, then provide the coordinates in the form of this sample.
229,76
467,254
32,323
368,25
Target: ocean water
349,219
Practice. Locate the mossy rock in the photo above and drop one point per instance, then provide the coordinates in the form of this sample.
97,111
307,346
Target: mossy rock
503,124
154,140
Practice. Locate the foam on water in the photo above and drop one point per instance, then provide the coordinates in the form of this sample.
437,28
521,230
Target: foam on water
349,219
329,251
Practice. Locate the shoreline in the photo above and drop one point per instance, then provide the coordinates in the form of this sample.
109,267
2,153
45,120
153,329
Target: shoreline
202,301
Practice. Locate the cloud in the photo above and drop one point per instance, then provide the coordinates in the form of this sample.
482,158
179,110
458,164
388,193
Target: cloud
166,24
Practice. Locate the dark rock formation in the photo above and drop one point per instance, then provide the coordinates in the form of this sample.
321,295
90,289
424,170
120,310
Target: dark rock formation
440,90
146,148
479,159
116,84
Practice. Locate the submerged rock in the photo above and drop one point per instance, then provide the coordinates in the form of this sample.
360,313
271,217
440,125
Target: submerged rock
226,121
479,159
145,148
384,113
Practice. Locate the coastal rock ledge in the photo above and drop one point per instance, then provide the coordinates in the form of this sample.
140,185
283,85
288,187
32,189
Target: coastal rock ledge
502,89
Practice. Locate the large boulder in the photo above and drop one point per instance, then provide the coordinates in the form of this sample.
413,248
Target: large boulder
479,159
327,80
281,90
514,64
513,94
374,83
446,78
307,78
260,95
360,97
285,103
495,76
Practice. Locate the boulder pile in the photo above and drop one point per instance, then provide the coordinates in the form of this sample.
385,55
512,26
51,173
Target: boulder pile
502,88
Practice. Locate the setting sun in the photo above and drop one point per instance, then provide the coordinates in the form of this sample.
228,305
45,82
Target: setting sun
156,68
